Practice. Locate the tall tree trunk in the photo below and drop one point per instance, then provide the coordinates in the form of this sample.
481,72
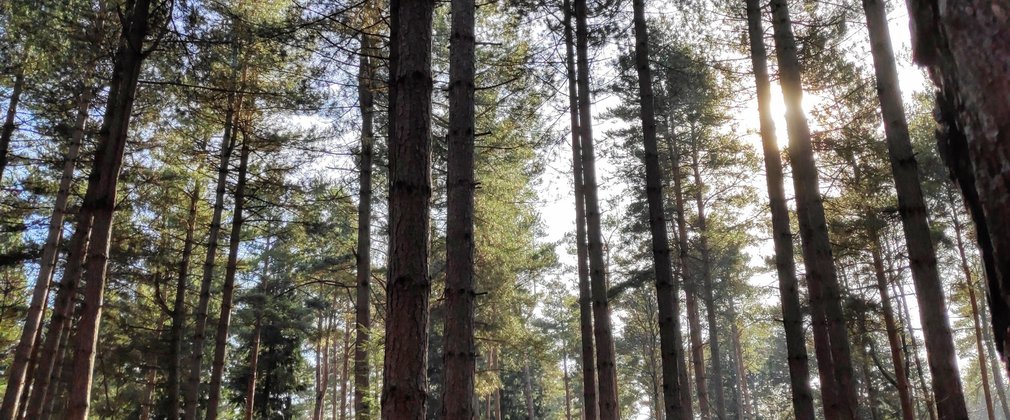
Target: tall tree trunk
178,326
404,366
460,352
590,402
785,265
192,385
254,358
939,340
912,351
741,372
6,132
666,290
362,304
994,363
58,381
900,375
528,391
344,379
954,42
568,390
322,368
29,344
228,289
605,366
822,279
147,401
100,199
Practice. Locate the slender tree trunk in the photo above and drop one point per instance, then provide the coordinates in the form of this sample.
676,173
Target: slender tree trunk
666,290
345,380
939,340
901,376
179,312
590,403
460,352
994,361
528,391
362,305
58,381
913,352
100,199
860,341
21,367
228,289
605,366
322,369
6,132
404,366
333,371
741,372
824,290
568,390
792,317
254,358
147,401
192,385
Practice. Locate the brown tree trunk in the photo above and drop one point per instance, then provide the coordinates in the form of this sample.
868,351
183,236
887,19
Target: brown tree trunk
460,352
6,132
994,362
344,379
322,367
254,358
590,403
605,366
822,279
100,199
939,340
785,265
528,391
228,288
178,326
913,351
404,366
362,304
666,290
568,390
21,368
147,401
900,375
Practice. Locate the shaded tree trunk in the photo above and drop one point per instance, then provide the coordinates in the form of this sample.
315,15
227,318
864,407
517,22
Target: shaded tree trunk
362,304
228,288
939,340
900,374
785,265
912,351
460,351
404,366
254,358
6,133
666,290
568,390
994,361
822,279
100,199
178,326
344,379
528,391
590,402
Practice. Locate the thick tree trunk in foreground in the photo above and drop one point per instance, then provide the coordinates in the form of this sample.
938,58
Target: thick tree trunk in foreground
590,402
404,382
666,291
900,374
100,199
6,133
178,327
460,352
960,43
362,303
605,366
228,288
825,297
940,350
21,368
785,265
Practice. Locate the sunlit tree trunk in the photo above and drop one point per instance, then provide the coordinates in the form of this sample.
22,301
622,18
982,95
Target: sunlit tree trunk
785,265
178,327
6,133
362,304
900,374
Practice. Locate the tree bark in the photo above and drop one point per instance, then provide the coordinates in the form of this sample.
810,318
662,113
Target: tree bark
590,402
605,367
460,351
100,199
900,374
528,391
254,358
178,326
345,380
913,352
822,279
6,133
939,340
666,290
568,390
994,361
362,305
785,265
228,289
404,391
21,367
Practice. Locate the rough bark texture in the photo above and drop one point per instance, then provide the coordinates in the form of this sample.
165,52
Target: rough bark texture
100,199
20,369
822,278
940,352
460,357
404,390
590,403
178,327
362,303
228,288
900,374
6,132
666,292
605,366
785,265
